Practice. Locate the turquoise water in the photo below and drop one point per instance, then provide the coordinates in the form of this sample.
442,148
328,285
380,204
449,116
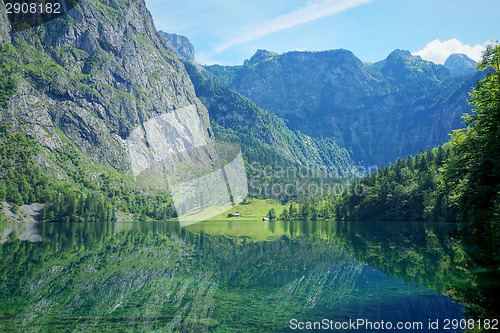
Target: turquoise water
242,277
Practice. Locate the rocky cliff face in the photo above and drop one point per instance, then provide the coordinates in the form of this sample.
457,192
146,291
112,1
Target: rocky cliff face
180,45
4,26
383,111
85,81
278,83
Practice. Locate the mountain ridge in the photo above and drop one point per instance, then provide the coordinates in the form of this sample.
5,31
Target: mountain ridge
265,138
380,111
180,45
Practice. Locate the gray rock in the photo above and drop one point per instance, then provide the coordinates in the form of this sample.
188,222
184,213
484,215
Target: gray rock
94,75
180,45
25,213
4,25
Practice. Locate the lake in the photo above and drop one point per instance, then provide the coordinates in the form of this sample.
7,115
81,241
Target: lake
241,276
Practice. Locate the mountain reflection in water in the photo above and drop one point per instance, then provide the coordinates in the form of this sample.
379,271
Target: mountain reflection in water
239,276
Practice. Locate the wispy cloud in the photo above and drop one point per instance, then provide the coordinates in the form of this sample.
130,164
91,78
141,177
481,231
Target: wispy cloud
437,51
312,11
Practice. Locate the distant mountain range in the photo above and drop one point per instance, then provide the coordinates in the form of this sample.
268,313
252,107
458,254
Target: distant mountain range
379,112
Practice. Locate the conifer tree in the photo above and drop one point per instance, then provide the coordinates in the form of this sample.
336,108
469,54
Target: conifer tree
473,171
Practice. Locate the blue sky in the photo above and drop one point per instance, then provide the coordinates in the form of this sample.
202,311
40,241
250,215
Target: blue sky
228,32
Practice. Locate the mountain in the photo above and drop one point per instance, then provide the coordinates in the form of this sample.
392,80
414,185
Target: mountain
90,78
92,102
459,63
264,137
90,98
380,112
83,96
259,56
180,45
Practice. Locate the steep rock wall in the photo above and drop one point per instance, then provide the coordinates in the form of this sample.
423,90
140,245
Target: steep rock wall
89,78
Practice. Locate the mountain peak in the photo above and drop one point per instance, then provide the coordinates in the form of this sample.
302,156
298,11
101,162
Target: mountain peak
260,56
459,63
180,45
400,54
397,58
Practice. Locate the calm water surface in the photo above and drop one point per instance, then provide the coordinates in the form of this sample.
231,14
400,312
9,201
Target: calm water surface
241,276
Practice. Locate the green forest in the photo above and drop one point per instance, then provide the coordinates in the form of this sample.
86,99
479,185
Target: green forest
75,199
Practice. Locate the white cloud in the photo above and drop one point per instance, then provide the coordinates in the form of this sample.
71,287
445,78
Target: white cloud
312,11
437,51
